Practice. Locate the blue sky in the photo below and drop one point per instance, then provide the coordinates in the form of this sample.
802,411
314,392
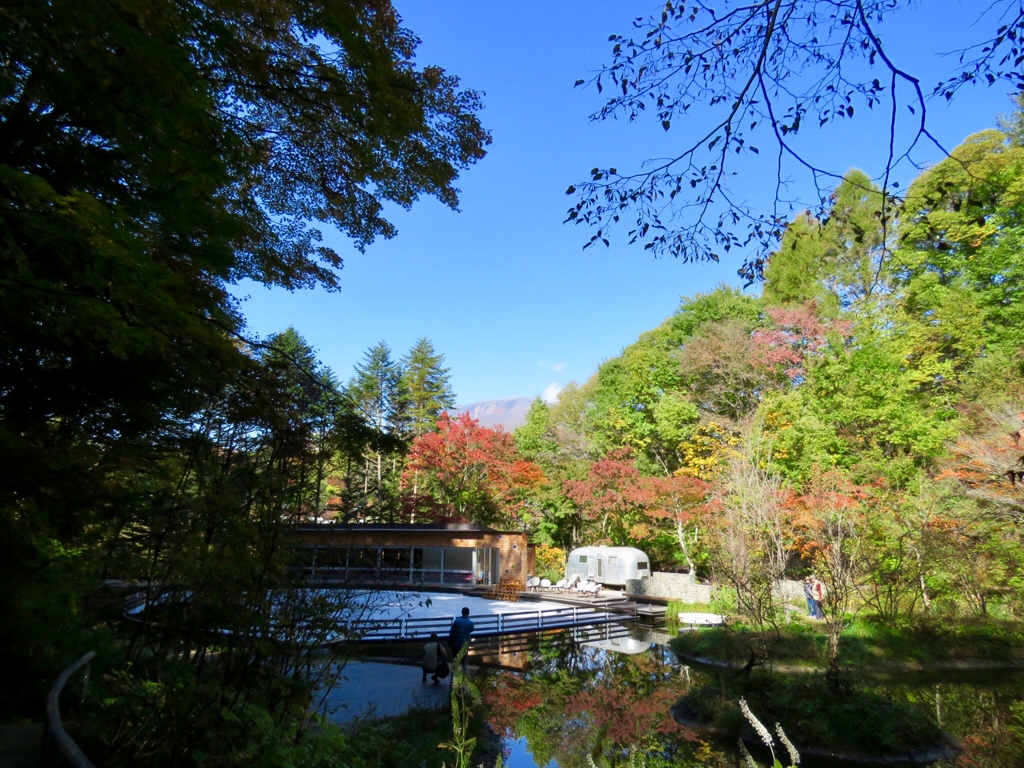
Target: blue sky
502,288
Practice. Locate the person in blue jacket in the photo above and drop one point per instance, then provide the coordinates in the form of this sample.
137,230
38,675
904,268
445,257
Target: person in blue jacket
458,635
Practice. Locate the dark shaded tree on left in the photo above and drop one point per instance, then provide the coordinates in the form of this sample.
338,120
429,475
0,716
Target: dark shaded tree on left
151,155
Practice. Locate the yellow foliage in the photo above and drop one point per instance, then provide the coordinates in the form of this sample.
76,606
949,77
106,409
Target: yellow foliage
550,561
707,450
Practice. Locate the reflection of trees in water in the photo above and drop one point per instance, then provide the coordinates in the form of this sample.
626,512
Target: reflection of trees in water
988,722
575,701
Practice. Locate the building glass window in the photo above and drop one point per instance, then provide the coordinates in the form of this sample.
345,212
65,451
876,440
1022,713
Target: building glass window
394,564
362,563
488,570
463,566
458,565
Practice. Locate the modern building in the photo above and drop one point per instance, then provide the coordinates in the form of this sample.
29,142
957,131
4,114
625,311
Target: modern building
417,554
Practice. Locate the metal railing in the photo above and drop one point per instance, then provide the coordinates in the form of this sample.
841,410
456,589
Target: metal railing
488,625
58,746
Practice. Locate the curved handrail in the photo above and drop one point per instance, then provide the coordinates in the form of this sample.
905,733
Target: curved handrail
490,625
55,737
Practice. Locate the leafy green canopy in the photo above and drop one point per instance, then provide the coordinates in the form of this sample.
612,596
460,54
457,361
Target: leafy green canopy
152,153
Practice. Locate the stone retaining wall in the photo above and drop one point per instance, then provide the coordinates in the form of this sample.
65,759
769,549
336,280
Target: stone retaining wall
793,591
685,588
671,586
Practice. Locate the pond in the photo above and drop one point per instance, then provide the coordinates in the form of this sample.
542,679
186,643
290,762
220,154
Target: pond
571,700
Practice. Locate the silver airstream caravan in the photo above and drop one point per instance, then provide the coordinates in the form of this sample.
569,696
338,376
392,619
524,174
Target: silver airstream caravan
608,565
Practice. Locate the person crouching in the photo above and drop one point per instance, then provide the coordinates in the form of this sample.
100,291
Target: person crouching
435,660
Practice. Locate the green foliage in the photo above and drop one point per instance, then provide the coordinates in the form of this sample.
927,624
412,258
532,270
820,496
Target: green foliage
723,303
869,642
836,262
49,617
392,742
534,438
464,696
227,733
375,389
154,156
550,562
674,417
961,250
628,389
793,273
868,396
425,389
180,719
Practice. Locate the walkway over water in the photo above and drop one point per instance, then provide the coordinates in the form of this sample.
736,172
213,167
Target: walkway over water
387,616
398,616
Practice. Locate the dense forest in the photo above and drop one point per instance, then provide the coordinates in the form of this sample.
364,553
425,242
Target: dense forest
865,407
861,417
868,400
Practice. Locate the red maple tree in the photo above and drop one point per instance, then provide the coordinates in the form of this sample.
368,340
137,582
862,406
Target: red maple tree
796,334
474,473
614,495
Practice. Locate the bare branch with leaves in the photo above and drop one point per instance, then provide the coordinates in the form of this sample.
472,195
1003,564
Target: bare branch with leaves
731,72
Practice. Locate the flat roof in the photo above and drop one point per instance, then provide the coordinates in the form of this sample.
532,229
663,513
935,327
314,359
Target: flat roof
402,528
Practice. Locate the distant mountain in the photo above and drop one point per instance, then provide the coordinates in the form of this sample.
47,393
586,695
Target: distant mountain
510,413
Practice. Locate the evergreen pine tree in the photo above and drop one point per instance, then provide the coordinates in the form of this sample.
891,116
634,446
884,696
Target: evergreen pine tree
375,390
425,389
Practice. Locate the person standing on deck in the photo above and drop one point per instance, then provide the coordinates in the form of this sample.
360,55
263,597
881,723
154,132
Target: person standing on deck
459,634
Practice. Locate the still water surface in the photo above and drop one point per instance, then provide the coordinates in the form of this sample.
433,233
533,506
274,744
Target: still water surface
565,700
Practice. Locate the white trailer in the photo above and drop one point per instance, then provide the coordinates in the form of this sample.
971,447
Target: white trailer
608,565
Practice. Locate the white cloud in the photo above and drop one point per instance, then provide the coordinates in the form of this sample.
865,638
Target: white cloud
551,393
556,367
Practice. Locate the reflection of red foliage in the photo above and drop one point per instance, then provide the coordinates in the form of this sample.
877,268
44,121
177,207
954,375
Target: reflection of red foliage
973,753
623,702
508,698
626,717
630,705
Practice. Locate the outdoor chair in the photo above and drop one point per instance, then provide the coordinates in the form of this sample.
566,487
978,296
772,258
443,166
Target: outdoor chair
545,584
533,584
